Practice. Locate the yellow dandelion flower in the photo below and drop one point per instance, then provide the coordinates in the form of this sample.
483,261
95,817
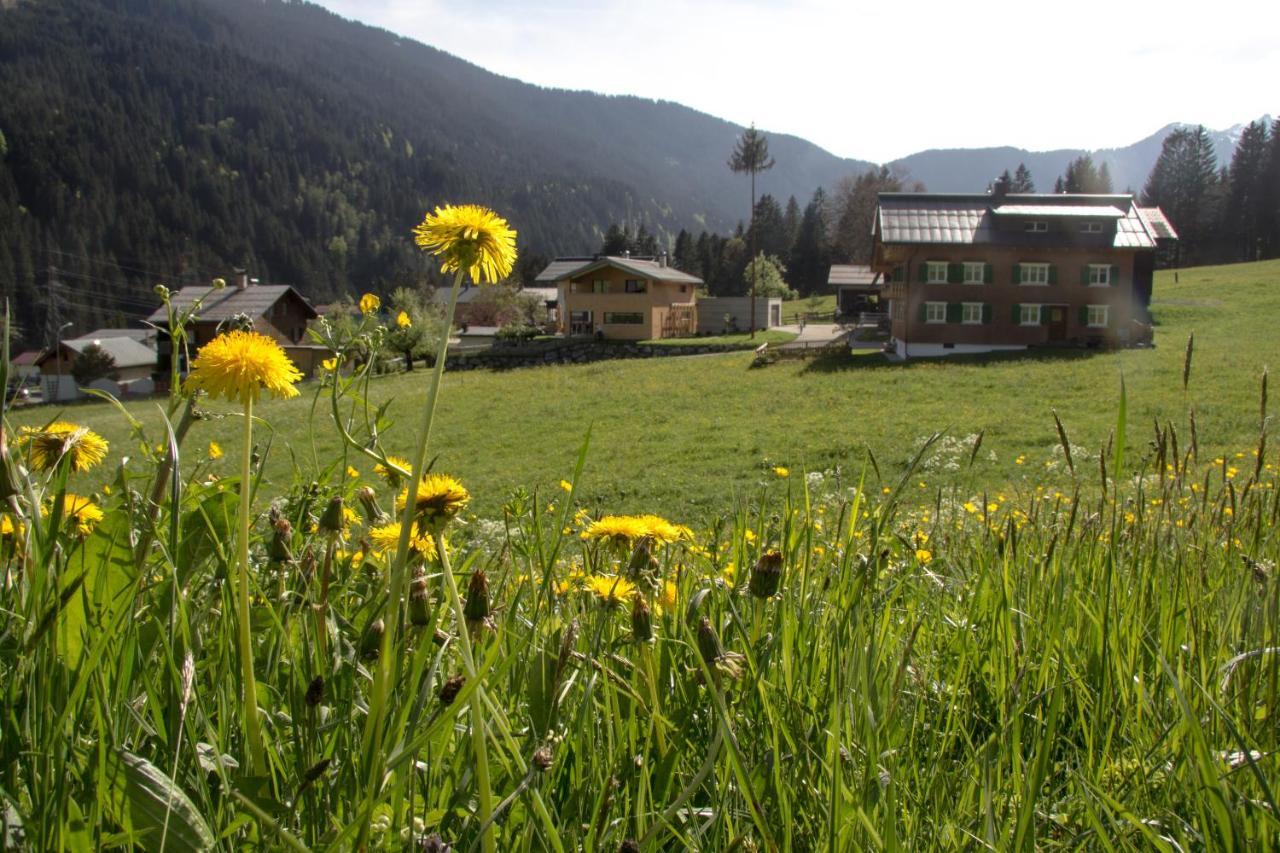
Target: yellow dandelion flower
924,555
439,498
729,573
84,512
781,471
215,450
82,447
970,507
609,589
471,238
352,472
369,304
10,530
237,365
386,538
668,597
403,321
566,485
664,531
330,364
615,528
749,535
389,473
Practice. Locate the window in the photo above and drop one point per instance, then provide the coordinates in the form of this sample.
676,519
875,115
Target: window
1033,273
623,318
1029,315
935,312
972,314
1097,316
1099,275
599,286
1037,227
974,272
684,288
937,272
635,285
1090,227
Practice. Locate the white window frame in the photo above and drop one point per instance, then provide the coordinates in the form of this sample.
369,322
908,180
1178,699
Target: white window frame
1100,275
1037,226
930,267
929,312
1096,311
1023,314
966,312
1042,274
1090,227
970,267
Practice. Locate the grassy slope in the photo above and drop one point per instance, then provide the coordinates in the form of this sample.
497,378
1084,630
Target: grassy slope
680,436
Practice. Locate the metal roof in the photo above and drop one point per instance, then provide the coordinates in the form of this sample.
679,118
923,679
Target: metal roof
224,303
852,274
640,267
1088,211
929,218
1158,223
126,352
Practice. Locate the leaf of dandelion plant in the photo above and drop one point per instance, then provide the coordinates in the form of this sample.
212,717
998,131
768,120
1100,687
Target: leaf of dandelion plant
1122,417
104,563
147,803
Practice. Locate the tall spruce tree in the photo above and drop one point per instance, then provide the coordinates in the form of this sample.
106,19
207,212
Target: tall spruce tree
1182,183
751,156
811,254
1243,214
1022,182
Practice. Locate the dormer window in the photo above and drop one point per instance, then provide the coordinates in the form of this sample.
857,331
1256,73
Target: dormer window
1090,227
1037,226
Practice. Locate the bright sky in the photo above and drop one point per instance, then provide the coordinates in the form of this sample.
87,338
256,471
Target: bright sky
880,80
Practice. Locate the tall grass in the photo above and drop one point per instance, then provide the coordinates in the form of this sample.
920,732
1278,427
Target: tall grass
1089,662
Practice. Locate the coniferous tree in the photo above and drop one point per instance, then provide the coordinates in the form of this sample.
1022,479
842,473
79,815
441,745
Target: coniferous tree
1269,198
1022,182
1182,183
1243,215
684,256
791,225
769,228
616,241
811,255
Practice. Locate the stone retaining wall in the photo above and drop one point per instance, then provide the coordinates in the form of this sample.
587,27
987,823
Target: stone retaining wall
538,353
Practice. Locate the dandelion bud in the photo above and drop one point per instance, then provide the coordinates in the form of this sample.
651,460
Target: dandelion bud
162,292
709,642
282,531
331,519
369,502
641,556
433,843
315,691
476,608
371,642
452,687
629,845
542,758
641,621
219,283
419,600
766,576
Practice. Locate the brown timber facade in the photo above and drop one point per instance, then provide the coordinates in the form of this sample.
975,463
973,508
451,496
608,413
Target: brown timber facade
978,273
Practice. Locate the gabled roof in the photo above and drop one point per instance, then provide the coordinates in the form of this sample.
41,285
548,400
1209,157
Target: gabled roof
126,352
141,335
223,304
30,357
1158,223
852,274
948,218
639,267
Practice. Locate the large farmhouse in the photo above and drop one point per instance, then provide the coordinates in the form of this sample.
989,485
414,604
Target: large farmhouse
976,273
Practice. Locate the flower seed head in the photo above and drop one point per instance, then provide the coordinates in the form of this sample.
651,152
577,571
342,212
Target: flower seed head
766,576
315,691
452,687
331,518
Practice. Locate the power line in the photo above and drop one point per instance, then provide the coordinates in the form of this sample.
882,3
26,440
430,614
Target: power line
135,269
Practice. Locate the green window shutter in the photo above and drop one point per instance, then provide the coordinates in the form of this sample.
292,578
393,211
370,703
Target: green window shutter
1017,312
922,274
955,273
897,273
1045,314
1084,274
987,276
1115,274
1053,274
1017,273
986,311
955,312
923,312
1084,315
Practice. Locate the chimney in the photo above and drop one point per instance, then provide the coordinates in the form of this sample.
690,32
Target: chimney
999,189
662,259
242,279
626,253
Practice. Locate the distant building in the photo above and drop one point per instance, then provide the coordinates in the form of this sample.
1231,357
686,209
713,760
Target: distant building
623,298
857,288
976,273
135,362
275,310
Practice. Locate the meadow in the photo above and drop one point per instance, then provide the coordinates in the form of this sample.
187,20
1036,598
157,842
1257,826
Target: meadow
686,604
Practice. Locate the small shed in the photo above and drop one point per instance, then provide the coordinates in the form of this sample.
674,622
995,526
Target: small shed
856,287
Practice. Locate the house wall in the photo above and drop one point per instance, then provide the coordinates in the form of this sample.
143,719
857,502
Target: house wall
712,311
1068,293
577,295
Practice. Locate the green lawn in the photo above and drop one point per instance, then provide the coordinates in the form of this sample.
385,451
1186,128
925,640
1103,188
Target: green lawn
792,310
685,436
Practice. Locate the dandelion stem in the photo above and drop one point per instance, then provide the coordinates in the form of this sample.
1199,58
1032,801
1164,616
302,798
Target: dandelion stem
248,686
484,793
